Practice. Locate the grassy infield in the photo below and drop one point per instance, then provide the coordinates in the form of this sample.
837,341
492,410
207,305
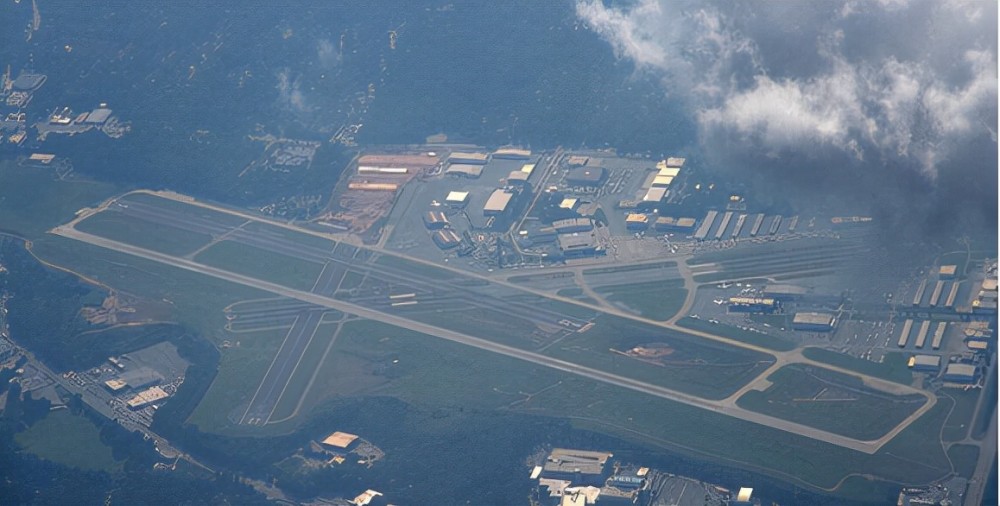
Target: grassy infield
433,371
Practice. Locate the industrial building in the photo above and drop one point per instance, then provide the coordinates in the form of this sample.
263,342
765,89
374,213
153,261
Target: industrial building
456,199
960,373
517,178
662,181
752,305
577,161
459,157
579,467
675,162
722,226
470,171
925,363
542,235
925,327
446,239
949,302
587,176
654,196
706,225
98,116
977,345
378,187
115,385
569,204
919,296
140,377
757,222
939,335
740,221
573,225
947,271
904,335
668,171
498,203
392,171
528,168
636,222
936,294
814,322
512,154
435,220
339,440
147,397
671,224
578,245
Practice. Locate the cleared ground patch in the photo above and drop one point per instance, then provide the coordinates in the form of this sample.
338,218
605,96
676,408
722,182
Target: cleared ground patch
118,225
261,264
830,401
893,368
67,439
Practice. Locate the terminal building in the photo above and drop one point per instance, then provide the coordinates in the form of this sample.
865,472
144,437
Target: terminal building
813,322
925,363
753,305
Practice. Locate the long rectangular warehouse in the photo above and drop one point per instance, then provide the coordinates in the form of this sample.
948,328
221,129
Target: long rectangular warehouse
939,335
722,226
739,224
905,334
950,301
936,294
794,223
757,222
706,225
774,226
920,293
922,333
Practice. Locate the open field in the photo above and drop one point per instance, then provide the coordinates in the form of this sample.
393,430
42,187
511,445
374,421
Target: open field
830,401
960,420
658,300
129,229
755,338
268,265
893,368
41,202
67,439
964,458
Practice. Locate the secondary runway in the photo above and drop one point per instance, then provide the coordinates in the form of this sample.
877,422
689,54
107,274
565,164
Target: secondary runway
277,376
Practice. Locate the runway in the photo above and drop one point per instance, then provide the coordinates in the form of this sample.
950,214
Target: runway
276,379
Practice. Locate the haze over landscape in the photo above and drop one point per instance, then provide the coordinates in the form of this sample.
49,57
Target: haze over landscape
573,252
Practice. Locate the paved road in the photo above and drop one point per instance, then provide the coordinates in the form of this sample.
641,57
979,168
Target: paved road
868,447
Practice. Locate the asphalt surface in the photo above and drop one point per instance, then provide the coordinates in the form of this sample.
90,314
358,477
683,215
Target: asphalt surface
280,372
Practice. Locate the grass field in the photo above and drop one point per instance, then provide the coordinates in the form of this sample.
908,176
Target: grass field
658,300
261,264
893,368
291,235
41,202
576,294
960,420
122,227
831,401
241,369
299,381
754,338
68,439
964,458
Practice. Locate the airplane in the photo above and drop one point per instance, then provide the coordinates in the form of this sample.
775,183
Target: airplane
719,301
725,285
